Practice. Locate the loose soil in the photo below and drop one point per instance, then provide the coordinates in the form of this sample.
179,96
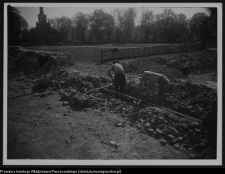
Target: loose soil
36,132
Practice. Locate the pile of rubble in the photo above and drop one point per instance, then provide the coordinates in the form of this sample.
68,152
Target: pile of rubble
64,78
194,100
29,61
187,98
74,98
145,64
204,62
171,130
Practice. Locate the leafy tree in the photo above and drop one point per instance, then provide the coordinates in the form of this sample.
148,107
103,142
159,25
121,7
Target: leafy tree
80,22
181,28
136,33
25,34
212,25
109,25
97,24
16,25
118,17
156,27
120,26
129,23
167,24
147,24
63,25
199,26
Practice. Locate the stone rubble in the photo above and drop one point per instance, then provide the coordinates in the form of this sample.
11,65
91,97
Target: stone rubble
113,144
205,63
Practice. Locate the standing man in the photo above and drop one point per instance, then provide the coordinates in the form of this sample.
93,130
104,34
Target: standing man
184,67
153,78
119,77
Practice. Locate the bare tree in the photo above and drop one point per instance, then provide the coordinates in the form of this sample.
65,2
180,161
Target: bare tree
97,24
129,23
147,24
63,25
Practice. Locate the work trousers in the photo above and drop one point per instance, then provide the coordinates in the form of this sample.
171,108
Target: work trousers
119,82
184,70
163,86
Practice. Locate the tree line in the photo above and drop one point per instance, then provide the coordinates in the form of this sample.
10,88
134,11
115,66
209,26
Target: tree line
17,27
122,26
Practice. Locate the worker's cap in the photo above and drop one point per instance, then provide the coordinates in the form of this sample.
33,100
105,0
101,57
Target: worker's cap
115,61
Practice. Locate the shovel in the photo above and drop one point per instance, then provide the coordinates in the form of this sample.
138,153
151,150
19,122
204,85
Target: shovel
99,88
139,97
137,112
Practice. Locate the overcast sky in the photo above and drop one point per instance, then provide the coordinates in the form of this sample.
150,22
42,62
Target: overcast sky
52,10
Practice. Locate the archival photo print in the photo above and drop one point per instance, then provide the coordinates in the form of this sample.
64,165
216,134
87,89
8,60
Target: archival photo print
112,84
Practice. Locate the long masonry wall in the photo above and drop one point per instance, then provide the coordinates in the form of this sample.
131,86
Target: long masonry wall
126,53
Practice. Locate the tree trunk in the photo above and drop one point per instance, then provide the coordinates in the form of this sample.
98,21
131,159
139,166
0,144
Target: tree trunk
161,38
98,39
146,37
117,37
156,32
125,39
109,39
65,37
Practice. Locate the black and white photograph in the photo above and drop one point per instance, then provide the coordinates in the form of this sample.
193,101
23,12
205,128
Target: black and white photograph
112,84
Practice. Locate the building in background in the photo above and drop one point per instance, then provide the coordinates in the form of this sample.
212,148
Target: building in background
43,34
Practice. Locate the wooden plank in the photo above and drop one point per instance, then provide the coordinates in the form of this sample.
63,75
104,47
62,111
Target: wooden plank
99,88
123,96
